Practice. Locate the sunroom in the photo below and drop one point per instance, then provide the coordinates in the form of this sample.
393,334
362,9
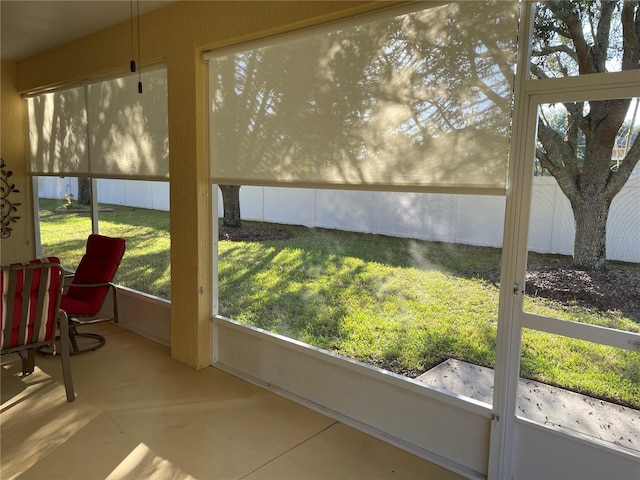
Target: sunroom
423,162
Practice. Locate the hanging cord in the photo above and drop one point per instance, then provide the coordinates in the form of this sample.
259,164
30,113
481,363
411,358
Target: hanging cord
139,61
133,62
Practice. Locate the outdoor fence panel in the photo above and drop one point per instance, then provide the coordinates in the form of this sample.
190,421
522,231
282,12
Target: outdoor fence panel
479,220
623,237
345,210
294,206
469,219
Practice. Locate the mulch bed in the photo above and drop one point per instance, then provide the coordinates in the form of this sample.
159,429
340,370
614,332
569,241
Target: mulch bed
609,290
247,233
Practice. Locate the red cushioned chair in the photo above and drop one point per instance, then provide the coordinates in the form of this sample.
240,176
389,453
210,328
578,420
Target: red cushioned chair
30,314
88,290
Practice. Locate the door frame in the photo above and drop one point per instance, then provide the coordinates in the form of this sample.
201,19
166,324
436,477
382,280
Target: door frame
530,94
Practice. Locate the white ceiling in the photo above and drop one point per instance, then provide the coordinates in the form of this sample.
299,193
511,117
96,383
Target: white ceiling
33,26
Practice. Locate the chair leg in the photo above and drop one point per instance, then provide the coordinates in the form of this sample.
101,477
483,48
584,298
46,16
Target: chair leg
96,341
114,291
23,359
28,358
72,338
31,360
65,356
75,347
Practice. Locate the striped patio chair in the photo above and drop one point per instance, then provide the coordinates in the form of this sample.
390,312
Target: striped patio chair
30,314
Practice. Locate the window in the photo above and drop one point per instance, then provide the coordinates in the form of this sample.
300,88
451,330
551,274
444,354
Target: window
109,144
597,47
389,176
374,276
580,274
583,319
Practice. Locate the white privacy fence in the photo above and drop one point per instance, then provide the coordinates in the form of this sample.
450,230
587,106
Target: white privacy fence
467,219
132,193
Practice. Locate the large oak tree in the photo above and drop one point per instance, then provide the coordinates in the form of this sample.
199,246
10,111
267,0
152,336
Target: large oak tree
580,38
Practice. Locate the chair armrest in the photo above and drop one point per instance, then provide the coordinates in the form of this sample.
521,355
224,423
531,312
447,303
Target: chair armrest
67,277
85,285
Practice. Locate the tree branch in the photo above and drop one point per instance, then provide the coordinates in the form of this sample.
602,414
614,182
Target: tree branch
551,49
574,27
601,38
561,154
538,71
631,35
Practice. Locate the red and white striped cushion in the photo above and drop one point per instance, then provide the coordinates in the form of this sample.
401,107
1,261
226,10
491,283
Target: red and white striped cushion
32,294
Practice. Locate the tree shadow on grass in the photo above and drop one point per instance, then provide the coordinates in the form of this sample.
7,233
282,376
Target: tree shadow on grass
301,285
308,295
617,289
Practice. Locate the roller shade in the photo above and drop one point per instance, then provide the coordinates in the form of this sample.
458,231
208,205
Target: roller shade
58,132
417,101
104,129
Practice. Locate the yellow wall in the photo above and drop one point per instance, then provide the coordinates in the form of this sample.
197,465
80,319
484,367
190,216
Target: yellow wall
20,245
177,35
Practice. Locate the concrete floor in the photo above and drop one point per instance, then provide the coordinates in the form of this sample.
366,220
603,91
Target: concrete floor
138,414
587,417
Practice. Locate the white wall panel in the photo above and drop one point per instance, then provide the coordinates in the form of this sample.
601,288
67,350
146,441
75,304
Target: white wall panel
443,427
143,314
542,453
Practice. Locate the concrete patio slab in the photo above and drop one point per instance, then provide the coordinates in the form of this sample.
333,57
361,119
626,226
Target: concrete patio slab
553,406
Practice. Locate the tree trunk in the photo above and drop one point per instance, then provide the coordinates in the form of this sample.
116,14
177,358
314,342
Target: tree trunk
231,204
590,242
84,191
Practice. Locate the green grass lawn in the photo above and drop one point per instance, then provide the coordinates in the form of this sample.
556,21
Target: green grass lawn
399,304
146,266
